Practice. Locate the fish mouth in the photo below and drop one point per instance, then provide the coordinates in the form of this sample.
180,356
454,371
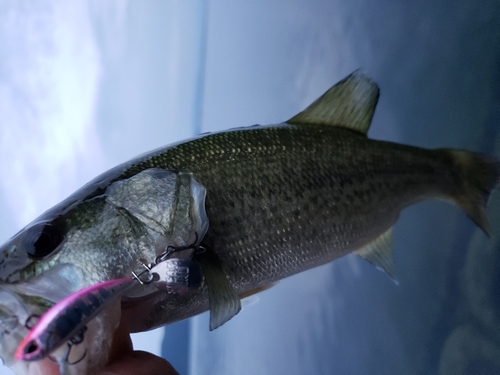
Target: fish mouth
52,285
21,304
15,313
7,323
12,309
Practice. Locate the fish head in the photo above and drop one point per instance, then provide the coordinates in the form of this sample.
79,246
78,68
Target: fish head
106,230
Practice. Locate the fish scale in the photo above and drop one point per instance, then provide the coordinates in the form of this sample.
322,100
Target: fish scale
330,211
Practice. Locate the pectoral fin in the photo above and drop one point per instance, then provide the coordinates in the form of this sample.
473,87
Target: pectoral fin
224,301
349,104
379,253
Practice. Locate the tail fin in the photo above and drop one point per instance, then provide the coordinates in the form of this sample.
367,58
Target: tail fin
479,175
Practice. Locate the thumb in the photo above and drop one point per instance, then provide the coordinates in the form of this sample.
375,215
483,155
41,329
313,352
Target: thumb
139,362
43,367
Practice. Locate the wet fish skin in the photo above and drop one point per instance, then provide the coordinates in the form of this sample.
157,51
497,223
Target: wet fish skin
280,199
283,199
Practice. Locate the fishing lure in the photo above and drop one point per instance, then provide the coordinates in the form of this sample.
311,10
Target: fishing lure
173,275
176,276
65,322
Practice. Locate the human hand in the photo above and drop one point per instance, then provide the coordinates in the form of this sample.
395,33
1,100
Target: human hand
123,360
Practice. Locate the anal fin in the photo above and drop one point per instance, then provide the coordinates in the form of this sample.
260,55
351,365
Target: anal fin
224,301
379,253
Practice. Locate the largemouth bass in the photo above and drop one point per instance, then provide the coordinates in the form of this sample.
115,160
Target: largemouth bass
261,203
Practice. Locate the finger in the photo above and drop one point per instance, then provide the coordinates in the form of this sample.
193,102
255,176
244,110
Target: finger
139,362
43,367
122,343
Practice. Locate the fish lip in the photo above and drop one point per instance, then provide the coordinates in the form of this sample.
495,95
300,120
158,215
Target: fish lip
12,261
8,319
13,310
21,302
14,313
8,324
10,302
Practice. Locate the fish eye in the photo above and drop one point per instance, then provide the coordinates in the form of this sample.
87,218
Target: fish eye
43,240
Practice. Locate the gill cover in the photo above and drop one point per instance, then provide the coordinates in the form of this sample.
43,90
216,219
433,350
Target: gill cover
171,204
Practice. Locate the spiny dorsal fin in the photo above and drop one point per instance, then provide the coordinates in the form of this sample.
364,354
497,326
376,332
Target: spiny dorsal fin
350,104
379,253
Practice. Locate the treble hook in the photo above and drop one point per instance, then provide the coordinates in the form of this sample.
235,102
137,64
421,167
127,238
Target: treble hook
172,249
138,276
78,339
31,321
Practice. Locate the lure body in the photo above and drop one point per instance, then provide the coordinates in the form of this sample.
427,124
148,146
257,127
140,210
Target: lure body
176,276
66,319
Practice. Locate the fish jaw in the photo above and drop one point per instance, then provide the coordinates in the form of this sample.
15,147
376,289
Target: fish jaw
65,273
22,303
94,349
15,312
74,312
12,260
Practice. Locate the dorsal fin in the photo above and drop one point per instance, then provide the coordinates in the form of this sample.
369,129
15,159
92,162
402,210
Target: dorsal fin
379,253
349,104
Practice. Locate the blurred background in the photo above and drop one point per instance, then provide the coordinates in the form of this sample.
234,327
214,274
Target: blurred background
85,85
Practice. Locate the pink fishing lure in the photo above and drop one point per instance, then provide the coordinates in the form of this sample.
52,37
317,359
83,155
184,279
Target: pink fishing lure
66,319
